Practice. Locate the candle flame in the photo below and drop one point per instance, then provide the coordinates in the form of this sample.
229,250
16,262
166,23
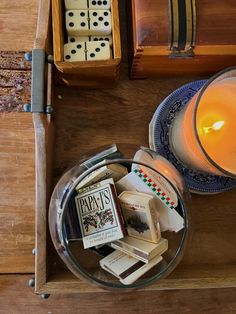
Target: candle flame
218,125
215,127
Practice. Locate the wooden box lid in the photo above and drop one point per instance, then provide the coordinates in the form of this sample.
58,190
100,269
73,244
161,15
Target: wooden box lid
215,22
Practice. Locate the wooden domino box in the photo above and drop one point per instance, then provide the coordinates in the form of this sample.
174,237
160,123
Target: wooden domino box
181,37
92,74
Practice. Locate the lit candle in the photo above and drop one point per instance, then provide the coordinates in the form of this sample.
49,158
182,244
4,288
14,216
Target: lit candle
203,135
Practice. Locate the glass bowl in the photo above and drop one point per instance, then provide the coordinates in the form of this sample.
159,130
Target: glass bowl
65,230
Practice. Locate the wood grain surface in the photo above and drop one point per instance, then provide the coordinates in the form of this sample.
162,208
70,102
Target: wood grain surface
211,301
16,166
16,192
17,24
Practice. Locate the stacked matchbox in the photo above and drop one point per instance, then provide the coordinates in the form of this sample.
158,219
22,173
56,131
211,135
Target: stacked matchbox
127,210
89,30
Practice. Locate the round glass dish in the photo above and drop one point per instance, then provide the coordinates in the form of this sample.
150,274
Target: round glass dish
66,236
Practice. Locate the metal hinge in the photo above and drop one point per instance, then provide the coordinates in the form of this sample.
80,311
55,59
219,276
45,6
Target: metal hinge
38,81
181,54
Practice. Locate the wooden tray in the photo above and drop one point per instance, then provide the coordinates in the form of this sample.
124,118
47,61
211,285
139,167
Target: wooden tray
85,120
92,74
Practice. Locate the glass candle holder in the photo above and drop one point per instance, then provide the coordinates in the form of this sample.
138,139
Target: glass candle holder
202,134
63,223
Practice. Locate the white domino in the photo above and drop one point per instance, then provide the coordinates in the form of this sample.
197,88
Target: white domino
87,51
99,4
77,22
75,52
76,4
100,22
88,4
107,38
74,39
88,22
98,50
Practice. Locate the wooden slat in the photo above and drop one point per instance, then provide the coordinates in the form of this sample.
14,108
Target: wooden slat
210,301
43,151
17,24
16,193
40,127
184,277
43,29
116,29
43,146
58,35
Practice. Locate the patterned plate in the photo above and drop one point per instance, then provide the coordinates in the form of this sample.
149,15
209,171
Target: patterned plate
197,182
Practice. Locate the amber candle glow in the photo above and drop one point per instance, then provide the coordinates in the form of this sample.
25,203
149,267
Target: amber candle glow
203,134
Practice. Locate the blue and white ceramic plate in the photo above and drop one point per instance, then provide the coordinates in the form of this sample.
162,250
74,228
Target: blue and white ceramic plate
197,182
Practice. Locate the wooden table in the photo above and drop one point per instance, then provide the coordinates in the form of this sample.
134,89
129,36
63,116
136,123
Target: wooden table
17,182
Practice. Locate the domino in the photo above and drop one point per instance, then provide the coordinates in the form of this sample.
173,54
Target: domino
107,38
75,52
76,4
99,4
72,39
87,51
88,4
100,22
77,22
88,22
98,50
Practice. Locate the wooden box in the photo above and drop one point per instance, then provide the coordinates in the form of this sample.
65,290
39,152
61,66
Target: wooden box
75,128
93,74
179,37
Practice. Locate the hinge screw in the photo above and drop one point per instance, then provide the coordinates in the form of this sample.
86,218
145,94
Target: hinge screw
45,296
50,59
49,109
27,107
28,56
31,283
